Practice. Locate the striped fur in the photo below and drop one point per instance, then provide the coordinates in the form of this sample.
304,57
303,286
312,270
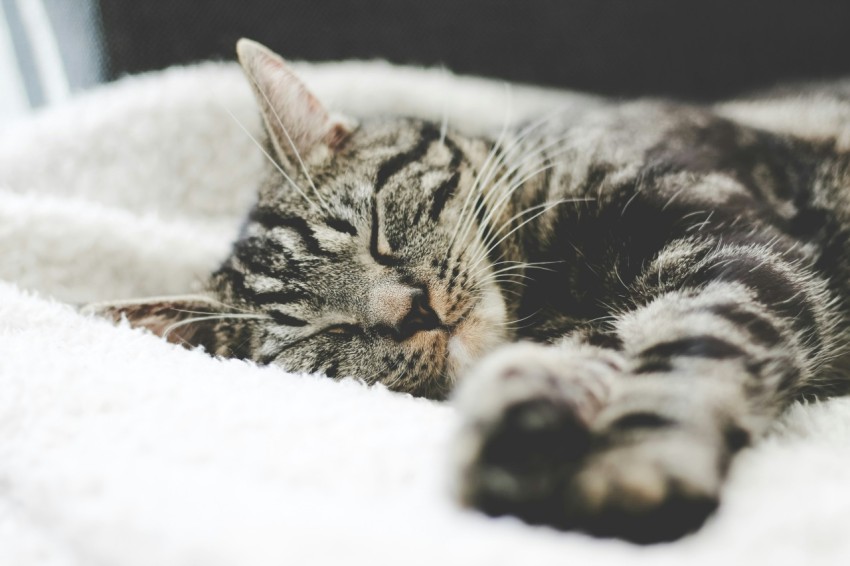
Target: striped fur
627,298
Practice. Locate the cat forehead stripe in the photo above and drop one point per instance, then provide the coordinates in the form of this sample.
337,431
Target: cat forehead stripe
271,219
428,133
442,194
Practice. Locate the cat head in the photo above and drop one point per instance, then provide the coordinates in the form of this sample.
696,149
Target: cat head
364,255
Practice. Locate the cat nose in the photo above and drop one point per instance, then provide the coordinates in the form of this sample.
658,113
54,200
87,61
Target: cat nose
402,311
420,317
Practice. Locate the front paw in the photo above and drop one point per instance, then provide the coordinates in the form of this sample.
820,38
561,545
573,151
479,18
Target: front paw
551,438
652,489
528,411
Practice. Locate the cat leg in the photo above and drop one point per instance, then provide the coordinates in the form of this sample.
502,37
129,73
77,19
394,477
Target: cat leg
635,440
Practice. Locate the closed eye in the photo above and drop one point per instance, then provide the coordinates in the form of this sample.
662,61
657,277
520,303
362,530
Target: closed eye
341,225
342,330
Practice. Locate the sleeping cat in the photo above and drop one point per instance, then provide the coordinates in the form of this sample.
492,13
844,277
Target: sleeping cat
618,301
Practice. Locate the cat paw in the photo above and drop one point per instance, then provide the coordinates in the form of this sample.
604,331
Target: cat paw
543,441
527,414
650,490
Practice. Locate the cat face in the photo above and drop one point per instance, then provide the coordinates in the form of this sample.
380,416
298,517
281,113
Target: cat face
363,255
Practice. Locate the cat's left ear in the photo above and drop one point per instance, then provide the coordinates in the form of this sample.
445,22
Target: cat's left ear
190,321
296,120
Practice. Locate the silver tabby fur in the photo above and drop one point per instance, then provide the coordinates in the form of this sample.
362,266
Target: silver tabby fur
619,300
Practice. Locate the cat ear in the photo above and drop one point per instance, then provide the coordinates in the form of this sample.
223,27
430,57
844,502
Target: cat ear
189,321
296,120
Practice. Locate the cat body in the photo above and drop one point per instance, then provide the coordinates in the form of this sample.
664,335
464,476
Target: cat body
619,299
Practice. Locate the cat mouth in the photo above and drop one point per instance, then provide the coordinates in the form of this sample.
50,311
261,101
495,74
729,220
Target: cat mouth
469,326
472,336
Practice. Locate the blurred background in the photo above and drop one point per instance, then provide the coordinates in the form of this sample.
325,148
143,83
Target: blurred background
51,49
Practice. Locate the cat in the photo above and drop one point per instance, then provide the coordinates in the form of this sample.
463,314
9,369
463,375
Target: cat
618,300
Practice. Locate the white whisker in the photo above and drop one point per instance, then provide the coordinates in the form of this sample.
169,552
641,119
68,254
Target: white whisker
489,246
481,181
292,145
503,202
269,157
516,185
461,215
181,323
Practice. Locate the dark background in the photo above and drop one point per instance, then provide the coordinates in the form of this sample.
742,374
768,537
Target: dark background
697,50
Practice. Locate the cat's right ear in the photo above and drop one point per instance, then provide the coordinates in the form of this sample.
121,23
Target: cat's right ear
296,120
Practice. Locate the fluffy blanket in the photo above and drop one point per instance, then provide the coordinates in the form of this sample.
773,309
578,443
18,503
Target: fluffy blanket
119,448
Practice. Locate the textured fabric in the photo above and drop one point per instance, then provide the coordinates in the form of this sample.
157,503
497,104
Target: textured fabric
118,448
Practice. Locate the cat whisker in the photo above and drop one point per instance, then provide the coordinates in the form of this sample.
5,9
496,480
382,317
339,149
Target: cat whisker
393,381
292,145
372,378
242,312
199,298
507,223
204,313
238,347
607,319
547,208
504,198
232,307
512,326
533,158
637,192
516,143
507,278
169,329
492,193
518,265
616,270
525,267
484,167
485,195
506,262
490,165
528,316
490,246
487,238
512,292
269,157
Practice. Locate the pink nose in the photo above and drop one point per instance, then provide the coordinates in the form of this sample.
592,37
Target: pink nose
402,311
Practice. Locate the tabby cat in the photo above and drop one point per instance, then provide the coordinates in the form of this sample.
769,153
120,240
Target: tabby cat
618,301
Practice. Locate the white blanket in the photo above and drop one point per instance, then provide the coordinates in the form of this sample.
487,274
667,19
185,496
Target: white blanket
119,448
